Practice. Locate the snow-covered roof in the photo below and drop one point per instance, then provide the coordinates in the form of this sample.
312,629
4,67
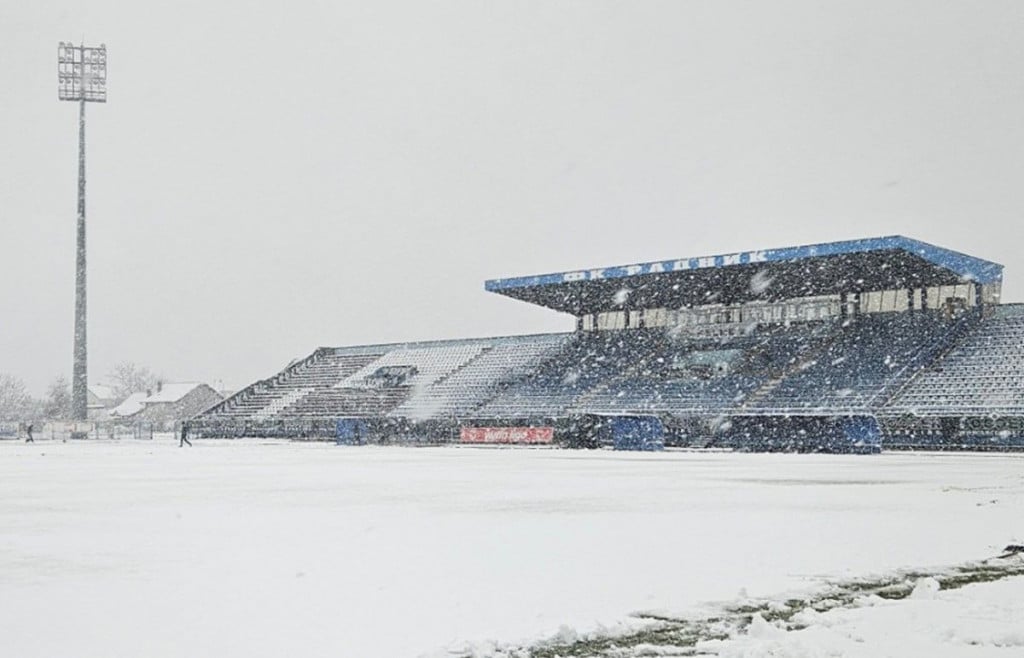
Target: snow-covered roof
131,405
172,392
168,393
102,391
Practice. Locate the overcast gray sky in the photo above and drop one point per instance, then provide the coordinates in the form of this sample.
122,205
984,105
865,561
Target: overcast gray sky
271,177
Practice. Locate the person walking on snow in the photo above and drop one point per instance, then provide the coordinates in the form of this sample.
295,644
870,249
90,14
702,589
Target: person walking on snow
28,430
184,436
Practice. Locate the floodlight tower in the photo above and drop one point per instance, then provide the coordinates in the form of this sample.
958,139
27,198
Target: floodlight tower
81,77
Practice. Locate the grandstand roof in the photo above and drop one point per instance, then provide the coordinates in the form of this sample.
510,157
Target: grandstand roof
885,263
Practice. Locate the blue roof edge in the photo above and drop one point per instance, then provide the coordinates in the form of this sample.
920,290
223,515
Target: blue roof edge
968,267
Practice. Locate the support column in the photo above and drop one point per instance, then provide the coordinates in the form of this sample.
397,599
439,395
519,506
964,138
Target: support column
79,377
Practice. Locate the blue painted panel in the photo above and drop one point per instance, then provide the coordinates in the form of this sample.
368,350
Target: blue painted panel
636,432
863,433
350,431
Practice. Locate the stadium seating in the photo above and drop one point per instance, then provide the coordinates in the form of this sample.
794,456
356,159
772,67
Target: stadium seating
883,363
268,398
980,375
850,372
445,378
658,384
429,363
583,362
504,361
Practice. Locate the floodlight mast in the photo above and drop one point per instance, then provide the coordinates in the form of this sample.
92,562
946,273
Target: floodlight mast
81,77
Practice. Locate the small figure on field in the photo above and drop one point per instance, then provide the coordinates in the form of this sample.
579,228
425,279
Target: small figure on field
28,431
184,436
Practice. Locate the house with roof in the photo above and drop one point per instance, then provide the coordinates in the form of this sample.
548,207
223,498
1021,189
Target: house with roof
100,401
165,407
130,406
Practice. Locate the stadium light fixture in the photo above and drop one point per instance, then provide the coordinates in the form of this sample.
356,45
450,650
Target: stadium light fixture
82,78
82,73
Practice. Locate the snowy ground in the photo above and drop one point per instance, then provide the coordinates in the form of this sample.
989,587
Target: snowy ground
978,620
253,548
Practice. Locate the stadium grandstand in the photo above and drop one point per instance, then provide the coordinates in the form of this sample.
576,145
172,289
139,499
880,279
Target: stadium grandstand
846,346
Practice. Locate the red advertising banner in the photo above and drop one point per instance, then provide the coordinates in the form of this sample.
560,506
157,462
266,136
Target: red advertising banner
507,435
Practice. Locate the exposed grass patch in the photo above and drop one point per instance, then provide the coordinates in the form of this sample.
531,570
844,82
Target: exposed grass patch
662,635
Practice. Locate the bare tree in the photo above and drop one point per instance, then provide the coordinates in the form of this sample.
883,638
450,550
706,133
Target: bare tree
57,404
15,402
128,377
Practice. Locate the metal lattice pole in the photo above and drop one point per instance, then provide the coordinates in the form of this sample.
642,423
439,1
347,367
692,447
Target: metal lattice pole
82,77
80,376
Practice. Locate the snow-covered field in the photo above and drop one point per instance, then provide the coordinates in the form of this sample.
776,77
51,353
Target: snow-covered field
254,548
